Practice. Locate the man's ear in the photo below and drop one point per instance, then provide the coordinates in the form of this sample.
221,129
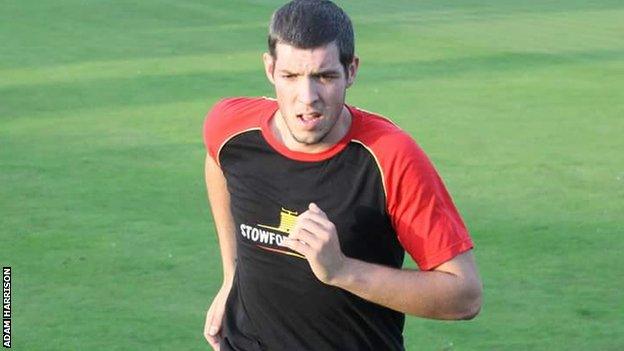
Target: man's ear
269,66
352,71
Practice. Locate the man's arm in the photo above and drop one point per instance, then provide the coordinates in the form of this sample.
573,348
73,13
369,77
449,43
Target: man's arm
219,198
450,291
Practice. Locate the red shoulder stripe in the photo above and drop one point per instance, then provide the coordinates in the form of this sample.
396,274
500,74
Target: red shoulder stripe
230,117
422,212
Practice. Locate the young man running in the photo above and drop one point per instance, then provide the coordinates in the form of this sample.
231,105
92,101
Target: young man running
315,203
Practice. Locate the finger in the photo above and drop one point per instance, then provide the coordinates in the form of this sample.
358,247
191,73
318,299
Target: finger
215,343
297,246
208,321
314,226
311,239
213,324
306,235
320,220
212,327
295,229
313,207
297,225
217,319
306,214
213,340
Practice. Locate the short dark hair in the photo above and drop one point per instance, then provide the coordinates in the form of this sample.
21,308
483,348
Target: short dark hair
307,24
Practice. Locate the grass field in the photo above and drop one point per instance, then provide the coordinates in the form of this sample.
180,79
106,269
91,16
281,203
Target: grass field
104,217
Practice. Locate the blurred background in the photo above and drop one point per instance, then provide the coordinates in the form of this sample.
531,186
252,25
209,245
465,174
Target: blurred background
103,210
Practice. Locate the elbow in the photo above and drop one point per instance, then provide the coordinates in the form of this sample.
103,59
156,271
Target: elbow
472,305
471,312
463,309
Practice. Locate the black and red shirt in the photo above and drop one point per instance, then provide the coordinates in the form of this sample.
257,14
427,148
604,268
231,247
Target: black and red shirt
376,185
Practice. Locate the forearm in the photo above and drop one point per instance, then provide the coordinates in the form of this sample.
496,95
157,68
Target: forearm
219,199
429,294
227,247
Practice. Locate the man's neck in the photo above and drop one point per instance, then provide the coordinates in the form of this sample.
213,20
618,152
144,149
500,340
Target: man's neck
339,130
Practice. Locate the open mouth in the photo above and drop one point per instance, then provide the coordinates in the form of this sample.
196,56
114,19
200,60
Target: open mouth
309,120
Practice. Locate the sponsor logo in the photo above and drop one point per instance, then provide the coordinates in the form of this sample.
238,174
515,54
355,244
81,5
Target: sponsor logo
287,221
269,237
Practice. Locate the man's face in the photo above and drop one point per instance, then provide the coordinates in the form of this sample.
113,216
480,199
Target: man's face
310,85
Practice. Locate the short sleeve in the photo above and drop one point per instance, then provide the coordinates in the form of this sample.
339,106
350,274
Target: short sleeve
230,117
213,129
422,212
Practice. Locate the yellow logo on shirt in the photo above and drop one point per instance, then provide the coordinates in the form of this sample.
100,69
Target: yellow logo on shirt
287,221
271,239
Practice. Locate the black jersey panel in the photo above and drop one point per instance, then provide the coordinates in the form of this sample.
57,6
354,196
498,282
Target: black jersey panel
276,300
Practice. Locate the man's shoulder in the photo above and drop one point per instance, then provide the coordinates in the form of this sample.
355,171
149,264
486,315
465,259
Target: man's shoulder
240,107
232,116
381,135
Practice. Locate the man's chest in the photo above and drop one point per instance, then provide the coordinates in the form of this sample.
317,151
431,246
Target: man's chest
268,191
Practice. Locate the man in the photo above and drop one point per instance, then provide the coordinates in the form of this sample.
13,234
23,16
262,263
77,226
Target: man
315,203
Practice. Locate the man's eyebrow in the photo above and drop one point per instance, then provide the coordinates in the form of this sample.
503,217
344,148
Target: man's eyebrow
321,72
284,70
327,72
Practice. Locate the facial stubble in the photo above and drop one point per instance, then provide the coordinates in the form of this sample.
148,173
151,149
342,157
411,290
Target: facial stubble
314,142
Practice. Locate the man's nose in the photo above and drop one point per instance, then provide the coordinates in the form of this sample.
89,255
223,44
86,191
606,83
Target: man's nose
307,93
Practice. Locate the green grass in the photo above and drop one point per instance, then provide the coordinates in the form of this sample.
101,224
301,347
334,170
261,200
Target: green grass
104,216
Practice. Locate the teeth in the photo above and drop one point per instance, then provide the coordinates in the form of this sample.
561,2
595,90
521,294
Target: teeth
309,117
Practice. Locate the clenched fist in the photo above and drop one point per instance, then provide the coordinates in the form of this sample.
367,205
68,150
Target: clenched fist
315,237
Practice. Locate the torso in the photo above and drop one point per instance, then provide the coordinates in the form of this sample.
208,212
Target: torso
277,303
372,181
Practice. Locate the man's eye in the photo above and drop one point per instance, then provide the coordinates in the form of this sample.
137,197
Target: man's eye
326,77
289,76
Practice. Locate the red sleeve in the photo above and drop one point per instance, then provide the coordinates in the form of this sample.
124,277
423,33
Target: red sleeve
229,117
213,126
423,215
